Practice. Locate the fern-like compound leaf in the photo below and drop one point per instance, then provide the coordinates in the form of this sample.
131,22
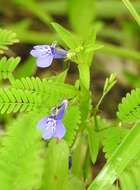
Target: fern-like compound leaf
13,100
129,109
7,66
71,122
21,161
51,92
7,37
35,84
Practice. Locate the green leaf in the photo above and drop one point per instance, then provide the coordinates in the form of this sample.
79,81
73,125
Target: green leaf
7,66
93,47
102,123
67,37
26,69
37,85
84,105
51,92
127,182
73,182
78,161
130,177
71,121
111,139
56,166
7,37
93,141
81,15
119,160
84,75
13,100
129,109
60,77
21,161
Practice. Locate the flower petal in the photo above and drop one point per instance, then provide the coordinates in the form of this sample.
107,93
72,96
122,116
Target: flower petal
42,123
47,132
60,130
62,109
41,50
35,53
59,53
41,47
44,61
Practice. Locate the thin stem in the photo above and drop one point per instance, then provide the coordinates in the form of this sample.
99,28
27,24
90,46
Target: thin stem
132,11
120,51
99,102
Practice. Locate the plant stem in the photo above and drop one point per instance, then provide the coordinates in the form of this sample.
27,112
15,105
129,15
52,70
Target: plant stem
119,160
120,51
132,11
113,34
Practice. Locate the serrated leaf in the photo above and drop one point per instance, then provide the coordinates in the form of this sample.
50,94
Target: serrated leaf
84,75
7,37
71,121
129,109
85,104
119,160
111,138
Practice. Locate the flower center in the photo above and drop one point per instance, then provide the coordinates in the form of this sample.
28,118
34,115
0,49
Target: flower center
51,123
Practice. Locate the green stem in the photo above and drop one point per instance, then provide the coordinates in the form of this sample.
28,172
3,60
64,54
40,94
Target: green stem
125,152
132,11
35,37
120,51
95,111
113,34
99,102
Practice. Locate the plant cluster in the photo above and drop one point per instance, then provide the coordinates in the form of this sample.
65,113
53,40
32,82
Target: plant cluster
59,132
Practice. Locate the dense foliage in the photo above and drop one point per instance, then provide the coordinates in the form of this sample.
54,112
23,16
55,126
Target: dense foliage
28,94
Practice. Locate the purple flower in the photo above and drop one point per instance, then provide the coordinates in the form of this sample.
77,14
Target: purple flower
46,53
52,126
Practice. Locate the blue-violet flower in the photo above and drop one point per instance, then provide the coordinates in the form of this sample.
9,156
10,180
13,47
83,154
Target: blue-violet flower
46,53
52,126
